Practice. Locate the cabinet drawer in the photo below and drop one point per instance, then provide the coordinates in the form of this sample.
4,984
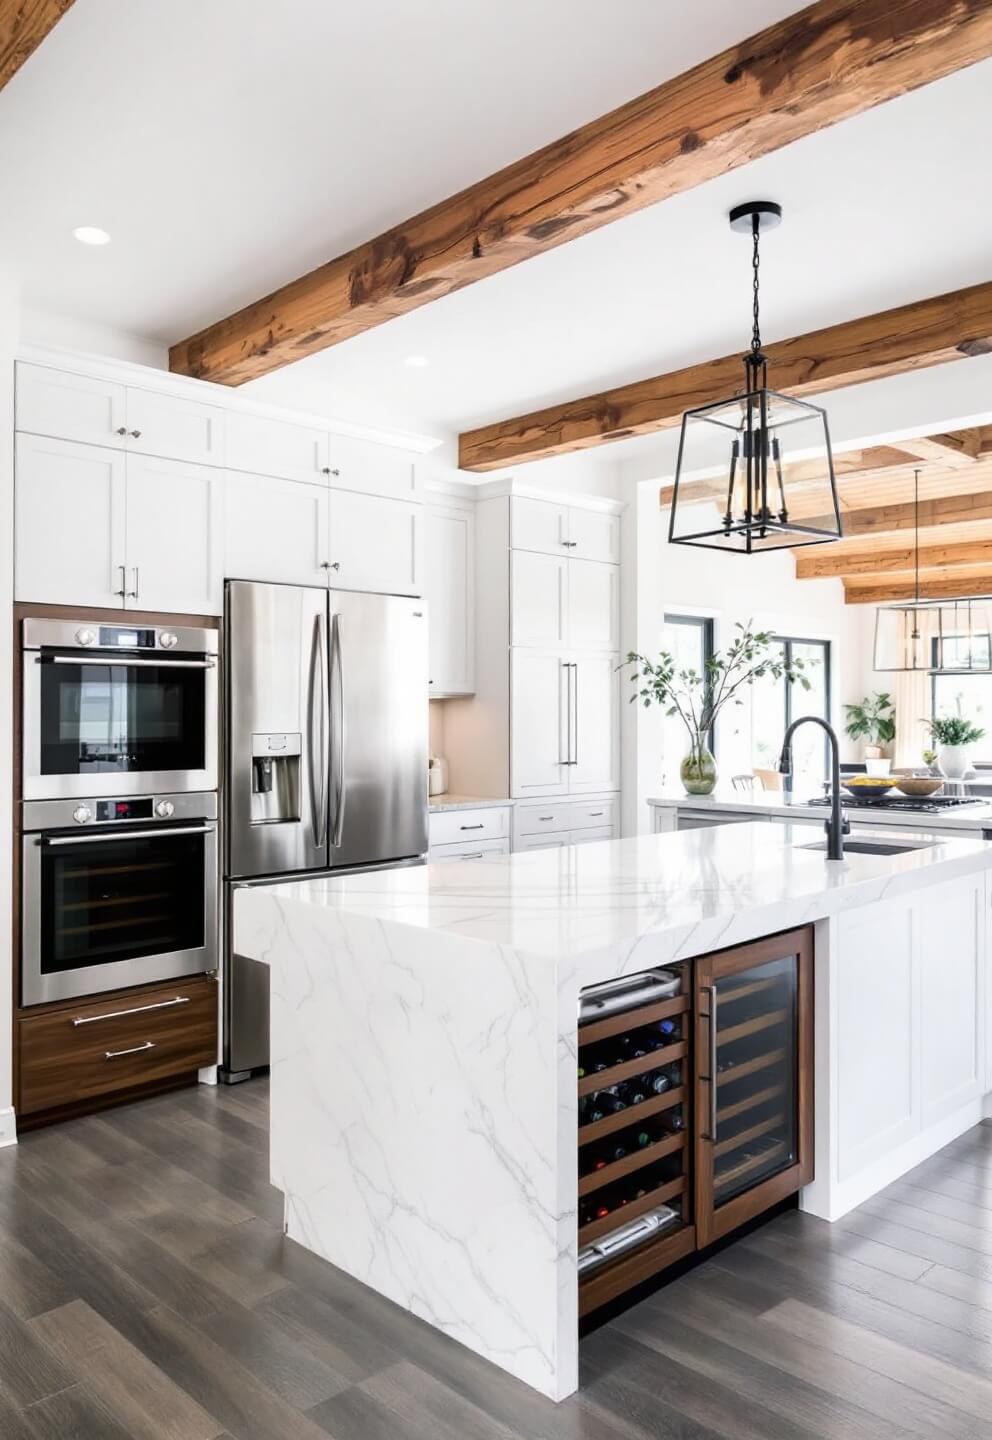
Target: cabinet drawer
84,1051
556,841
592,813
585,837
542,819
452,826
468,850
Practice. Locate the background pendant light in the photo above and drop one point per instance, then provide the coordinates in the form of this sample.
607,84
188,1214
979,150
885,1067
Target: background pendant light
769,452
952,636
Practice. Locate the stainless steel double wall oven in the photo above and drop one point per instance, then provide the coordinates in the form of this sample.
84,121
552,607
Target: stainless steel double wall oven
119,858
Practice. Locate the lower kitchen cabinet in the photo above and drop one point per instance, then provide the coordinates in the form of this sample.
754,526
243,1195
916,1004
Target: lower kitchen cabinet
75,1055
705,1106
565,722
565,822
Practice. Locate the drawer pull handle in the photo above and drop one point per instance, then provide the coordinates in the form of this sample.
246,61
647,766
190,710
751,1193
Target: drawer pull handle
478,855
472,827
134,1050
135,1010
545,817
596,812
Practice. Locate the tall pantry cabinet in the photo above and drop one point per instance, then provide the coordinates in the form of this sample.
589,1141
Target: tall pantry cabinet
546,721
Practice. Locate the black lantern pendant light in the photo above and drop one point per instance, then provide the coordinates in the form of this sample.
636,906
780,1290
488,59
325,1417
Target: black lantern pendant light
746,440
953,637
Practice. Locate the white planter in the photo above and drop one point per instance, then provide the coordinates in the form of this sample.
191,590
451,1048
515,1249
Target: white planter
954,761
877,766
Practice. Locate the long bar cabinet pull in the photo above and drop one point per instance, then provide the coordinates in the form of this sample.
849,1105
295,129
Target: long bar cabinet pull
711,992
134,1010
134,1050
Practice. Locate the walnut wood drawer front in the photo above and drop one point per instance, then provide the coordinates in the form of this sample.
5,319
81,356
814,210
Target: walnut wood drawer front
448,827
81,1052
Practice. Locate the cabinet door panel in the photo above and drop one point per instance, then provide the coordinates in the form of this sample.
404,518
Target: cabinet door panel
593,605
538,525
372,469
754,1079
262,446
275,530
595,723
69,514
538,588
175,545
593,535
952,1026
72,407
375,544
449,588
174,427
538,687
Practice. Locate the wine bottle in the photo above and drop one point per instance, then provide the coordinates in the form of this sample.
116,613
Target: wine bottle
636,1091
669,1030
672,1121
660,1083
644,1138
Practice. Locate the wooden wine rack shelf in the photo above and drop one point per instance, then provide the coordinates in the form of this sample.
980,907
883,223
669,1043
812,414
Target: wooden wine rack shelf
631,1069
595,1030
750,1067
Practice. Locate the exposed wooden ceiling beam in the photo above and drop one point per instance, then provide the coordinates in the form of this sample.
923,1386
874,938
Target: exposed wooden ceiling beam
818,561
835,59
944,510
934,586
954,450
911,337
23,26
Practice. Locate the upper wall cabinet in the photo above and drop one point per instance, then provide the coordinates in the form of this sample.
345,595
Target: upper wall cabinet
277,447
133,531
276,530
449,588
371,468
553,529
563,602
375,544
102,412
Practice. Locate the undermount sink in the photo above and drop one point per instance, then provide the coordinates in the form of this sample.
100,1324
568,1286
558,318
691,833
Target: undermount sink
876,847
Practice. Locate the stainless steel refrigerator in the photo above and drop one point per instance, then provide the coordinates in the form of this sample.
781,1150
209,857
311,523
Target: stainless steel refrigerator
326,755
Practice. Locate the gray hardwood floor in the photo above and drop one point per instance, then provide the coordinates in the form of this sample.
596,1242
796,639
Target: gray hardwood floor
147,1291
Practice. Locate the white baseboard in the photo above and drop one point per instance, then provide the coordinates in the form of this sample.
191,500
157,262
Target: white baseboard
8,1126
208,1075
832,1201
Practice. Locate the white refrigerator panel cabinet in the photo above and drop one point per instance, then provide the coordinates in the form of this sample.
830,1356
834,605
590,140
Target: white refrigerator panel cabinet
538,740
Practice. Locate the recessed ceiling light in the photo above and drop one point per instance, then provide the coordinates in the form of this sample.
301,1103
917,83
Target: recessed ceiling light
91,235
417,362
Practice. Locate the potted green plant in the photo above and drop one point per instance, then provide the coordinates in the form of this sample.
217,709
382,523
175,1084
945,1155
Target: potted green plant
953,735
698,696
873,720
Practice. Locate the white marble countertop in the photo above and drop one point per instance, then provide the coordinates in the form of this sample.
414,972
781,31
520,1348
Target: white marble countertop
661,896
771,802
439,803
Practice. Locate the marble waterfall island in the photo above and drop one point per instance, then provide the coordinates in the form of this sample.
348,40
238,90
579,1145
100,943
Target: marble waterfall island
424,1114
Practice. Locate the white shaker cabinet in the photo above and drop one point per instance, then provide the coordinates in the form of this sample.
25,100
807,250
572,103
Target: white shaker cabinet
538,599
375,543
69,523
449,589
539,691
573,530
175,536
593,605
174,427
265,446
371,468
276,530
595,729
593,535
71,407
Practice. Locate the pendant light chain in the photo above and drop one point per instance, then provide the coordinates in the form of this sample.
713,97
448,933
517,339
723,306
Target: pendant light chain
756,281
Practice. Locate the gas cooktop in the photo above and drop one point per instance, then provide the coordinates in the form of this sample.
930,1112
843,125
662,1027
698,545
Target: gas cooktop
930,805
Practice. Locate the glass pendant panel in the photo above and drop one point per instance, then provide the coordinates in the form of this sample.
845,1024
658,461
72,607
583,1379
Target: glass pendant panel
947,635
755,473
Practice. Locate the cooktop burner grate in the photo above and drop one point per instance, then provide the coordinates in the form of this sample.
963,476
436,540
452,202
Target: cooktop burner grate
931,805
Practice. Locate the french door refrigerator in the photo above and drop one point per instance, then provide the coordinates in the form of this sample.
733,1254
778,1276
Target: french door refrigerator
326,755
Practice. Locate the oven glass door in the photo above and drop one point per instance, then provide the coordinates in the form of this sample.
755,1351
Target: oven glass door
103,911
95,725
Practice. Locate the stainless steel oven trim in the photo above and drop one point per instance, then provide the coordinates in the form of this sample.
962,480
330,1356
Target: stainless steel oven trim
38,989
37,786
191,639
114,657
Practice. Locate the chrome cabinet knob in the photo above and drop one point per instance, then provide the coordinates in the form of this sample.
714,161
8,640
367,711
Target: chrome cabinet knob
165,809
121,430
135,434
82,814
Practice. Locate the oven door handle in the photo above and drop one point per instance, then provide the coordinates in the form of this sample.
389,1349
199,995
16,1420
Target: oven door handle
126,835
170,664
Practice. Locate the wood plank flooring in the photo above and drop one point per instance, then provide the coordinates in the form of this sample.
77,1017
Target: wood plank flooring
147,1291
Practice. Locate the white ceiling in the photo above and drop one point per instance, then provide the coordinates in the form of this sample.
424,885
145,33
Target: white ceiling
231,145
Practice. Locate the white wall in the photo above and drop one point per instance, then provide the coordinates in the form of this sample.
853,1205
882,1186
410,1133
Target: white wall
762,588
9,327
41,327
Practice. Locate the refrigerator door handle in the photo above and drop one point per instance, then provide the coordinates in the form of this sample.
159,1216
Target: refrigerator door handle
337,731
317,732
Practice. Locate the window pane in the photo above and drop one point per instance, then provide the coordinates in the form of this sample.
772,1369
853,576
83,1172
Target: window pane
689,641
809,751
971,696
768,717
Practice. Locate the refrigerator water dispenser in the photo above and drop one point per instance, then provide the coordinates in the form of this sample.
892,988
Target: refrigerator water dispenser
275,778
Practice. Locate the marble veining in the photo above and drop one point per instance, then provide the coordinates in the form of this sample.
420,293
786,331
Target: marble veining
424,1043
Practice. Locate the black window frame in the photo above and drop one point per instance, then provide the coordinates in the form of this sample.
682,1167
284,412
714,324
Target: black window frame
936,675
788,642
706,625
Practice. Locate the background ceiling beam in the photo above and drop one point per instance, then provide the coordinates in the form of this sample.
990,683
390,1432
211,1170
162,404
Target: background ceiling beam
944,510
23,26
954,450
817,562
835,59
932,587
911,337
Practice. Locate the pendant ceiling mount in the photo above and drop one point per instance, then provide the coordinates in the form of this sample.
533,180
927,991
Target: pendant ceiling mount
949,637
748,438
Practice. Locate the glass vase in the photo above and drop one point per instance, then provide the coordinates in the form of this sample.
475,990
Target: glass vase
698,771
